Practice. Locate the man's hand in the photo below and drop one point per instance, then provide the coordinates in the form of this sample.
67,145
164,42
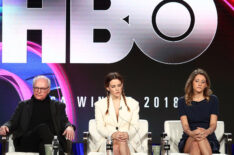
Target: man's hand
69,133
4,130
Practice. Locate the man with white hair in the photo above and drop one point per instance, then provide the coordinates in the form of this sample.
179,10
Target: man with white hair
36,121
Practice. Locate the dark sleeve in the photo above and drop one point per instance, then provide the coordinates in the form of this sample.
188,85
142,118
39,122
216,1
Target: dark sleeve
64,120
181,107
12,124
214,105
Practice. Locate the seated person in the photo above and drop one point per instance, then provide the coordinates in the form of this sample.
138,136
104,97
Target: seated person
36,121
117,116
198,111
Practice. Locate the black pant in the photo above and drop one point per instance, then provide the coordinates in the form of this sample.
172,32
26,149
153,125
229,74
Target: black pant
34,140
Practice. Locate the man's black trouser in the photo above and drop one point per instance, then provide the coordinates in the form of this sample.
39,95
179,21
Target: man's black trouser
34,140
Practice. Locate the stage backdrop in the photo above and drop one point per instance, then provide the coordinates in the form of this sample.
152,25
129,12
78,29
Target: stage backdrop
155,45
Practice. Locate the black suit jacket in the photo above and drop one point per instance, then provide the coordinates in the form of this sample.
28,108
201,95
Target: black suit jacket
19,122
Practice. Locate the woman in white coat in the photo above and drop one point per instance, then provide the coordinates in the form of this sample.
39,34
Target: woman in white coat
117,116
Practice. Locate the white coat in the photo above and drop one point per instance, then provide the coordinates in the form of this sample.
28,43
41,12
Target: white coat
107,124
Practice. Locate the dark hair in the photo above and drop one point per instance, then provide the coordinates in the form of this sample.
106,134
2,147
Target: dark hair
108,78
189,86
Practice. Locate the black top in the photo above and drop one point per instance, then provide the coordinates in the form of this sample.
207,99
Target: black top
21,119
198,115
41,113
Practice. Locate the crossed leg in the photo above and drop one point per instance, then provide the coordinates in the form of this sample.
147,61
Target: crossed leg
120,148
194,147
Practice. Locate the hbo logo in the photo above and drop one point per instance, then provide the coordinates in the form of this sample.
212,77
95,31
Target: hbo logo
167,31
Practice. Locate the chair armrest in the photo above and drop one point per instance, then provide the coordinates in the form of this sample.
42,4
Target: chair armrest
228,137
85,141
228,142
4,141
163,135
165,146
149,143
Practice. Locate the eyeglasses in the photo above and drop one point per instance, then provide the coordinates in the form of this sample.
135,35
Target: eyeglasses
40,88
